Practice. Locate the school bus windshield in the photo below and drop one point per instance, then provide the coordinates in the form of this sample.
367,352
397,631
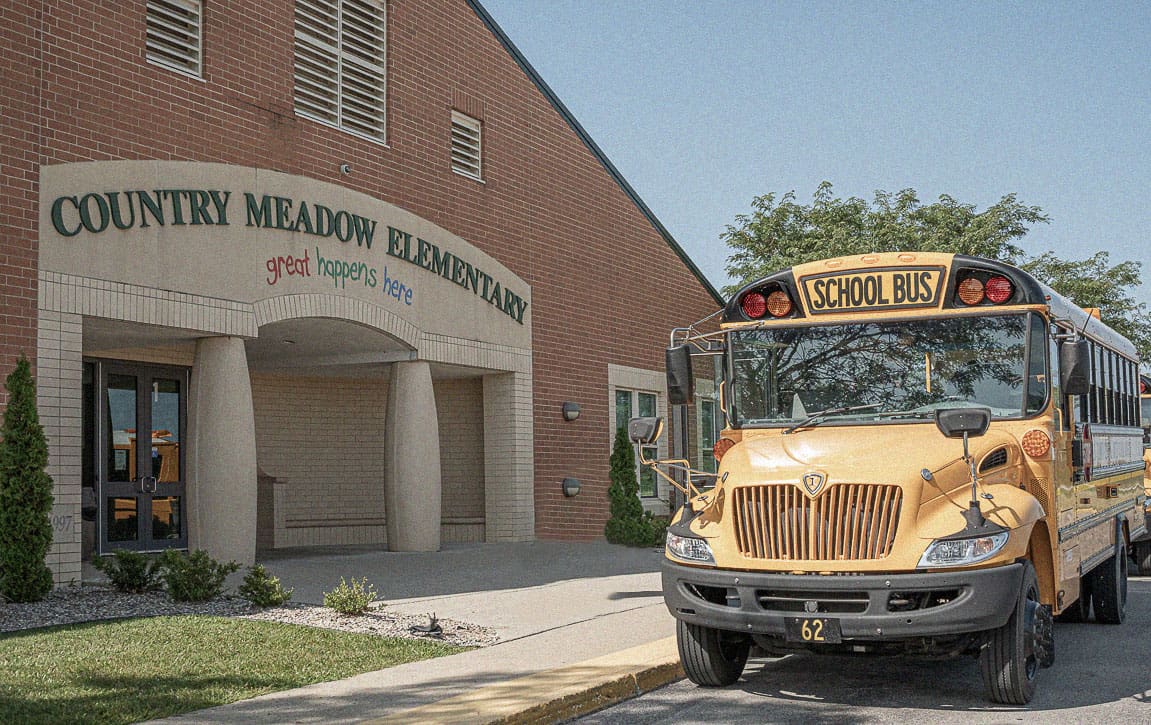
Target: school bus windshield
900,370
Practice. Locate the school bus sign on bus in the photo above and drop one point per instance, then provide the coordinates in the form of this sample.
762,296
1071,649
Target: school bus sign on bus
923,453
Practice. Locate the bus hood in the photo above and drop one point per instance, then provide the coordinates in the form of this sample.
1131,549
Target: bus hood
878,454
926,469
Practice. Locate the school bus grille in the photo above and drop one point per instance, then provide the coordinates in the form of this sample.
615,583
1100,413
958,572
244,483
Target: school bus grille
846,521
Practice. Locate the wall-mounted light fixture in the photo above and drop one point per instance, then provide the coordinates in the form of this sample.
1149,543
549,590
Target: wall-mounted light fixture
571,411
570,487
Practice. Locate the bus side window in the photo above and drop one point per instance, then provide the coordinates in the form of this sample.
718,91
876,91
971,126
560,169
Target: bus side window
1037,377
1064,414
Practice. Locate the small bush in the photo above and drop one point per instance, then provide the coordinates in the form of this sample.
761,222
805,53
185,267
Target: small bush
130,571
351,597
194,577
263,589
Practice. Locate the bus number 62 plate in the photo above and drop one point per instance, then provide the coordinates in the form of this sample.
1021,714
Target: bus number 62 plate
814,630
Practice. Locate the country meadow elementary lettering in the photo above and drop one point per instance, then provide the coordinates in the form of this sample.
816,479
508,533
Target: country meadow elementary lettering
96,212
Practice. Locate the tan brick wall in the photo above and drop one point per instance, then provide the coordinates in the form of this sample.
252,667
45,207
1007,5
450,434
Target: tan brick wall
322,438
58,400
74,86
460,406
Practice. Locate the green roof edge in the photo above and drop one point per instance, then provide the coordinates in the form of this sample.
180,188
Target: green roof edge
591,145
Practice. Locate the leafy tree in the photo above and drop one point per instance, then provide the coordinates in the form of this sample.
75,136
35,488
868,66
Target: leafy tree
25,493
781,232
1093,282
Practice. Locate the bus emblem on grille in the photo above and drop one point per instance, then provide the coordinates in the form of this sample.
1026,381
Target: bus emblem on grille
813,482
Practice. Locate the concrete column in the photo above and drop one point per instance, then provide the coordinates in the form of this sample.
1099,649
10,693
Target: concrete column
222,460
412,484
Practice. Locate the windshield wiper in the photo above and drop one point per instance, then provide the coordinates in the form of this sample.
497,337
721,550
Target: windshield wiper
810,421
917,414
923,411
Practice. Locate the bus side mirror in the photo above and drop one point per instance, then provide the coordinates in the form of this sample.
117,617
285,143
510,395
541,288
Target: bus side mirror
644,431
1075,367
962,422
680,384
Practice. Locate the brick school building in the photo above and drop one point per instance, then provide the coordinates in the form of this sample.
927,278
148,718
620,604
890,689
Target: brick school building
319,272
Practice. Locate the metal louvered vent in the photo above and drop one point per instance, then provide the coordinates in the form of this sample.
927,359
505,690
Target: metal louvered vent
847,521
466,145
341,61
995,459
174,33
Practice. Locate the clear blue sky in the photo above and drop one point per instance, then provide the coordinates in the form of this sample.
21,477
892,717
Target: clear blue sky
704,105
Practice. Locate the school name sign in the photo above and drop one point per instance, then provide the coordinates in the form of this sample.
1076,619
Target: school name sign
97,212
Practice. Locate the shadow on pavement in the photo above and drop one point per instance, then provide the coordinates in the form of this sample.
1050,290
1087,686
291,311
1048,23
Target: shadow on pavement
456,569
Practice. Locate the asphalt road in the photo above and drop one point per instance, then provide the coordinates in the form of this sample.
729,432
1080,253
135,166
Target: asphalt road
1102,674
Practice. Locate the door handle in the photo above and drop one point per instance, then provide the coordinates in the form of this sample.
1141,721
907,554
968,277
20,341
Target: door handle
148,484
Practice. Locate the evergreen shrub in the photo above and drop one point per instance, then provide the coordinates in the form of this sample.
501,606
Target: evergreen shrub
130,571
25,493
263,589
194,577
629,523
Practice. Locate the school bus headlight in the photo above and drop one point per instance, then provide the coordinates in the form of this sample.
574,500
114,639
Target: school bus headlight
689,549
962,552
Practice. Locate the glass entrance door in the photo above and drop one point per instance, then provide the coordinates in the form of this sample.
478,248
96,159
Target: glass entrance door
141,421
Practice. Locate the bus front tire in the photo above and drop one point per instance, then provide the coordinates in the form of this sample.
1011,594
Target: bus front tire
1014,653
1109,589
711,657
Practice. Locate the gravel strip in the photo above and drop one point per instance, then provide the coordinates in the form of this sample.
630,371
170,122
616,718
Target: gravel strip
89,603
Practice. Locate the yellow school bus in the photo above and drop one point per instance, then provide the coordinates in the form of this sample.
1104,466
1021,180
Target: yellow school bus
923,453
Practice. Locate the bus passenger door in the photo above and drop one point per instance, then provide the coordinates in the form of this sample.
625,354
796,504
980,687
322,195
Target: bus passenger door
1066,471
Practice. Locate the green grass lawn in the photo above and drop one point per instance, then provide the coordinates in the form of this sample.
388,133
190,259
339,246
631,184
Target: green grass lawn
130,670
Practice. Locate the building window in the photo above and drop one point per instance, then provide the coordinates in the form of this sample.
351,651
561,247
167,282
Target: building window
708,434
466,146
644,406
174,35
340,64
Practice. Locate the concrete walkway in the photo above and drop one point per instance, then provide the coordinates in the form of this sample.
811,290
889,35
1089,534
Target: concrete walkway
579,623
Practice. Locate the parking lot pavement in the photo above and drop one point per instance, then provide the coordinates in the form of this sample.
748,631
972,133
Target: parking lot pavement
1102,674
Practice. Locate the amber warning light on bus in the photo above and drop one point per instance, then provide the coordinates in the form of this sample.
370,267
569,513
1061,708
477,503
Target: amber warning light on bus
722,446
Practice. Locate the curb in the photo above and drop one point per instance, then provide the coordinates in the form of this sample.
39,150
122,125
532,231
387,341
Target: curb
559,694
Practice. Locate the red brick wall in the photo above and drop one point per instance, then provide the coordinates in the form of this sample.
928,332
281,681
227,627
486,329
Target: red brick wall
19,170
548,209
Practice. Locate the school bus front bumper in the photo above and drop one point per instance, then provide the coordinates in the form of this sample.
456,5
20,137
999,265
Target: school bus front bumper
865,607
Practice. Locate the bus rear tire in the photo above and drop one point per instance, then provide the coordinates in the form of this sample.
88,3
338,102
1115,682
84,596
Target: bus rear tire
711,657
1143,557
1109,589
1011,659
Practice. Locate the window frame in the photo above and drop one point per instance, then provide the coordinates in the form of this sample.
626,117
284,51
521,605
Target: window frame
338,47
156,14
459,161
642,474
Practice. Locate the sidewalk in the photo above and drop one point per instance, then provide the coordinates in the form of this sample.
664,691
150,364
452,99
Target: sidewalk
579,624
